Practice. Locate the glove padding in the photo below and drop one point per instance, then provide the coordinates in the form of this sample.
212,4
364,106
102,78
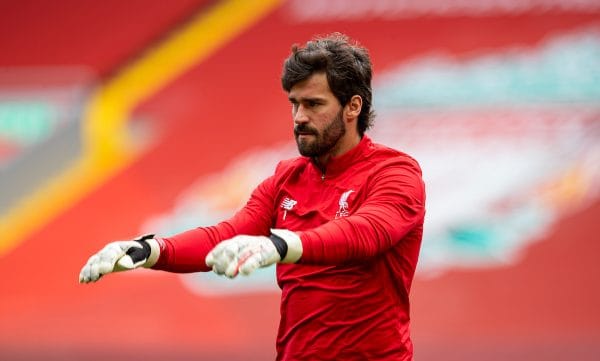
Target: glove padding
119,256
244,254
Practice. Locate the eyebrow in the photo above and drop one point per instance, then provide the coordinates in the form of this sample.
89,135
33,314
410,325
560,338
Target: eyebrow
308,99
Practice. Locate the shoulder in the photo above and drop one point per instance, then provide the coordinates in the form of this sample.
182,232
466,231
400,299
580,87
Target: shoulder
393,168
283,171
292,163
289,165
383,156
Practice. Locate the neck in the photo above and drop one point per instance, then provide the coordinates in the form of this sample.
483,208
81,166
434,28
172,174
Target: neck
343,146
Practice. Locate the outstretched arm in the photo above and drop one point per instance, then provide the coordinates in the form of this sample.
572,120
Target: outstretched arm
394,207
184,252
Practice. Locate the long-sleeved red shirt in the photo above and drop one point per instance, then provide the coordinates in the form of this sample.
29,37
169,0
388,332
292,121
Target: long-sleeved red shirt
361,224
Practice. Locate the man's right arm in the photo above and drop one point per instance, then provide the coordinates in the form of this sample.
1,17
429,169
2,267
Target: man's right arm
187,251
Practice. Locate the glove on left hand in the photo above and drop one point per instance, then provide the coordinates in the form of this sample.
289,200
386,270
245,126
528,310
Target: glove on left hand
244,254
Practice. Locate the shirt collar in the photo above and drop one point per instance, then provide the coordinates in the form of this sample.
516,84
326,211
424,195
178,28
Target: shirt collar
337,165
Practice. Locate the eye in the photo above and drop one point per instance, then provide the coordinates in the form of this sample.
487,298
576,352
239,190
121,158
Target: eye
312,103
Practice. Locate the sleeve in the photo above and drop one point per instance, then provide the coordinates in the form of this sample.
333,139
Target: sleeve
394,206
186,252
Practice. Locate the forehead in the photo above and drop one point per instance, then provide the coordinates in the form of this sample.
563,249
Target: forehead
315,85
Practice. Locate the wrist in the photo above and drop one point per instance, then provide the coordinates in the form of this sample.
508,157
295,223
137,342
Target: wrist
292,242
154,252
280,245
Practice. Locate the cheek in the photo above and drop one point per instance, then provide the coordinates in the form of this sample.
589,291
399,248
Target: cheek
324,119
320,123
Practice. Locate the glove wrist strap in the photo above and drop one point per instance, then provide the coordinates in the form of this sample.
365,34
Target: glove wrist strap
293,243
280,245
154,253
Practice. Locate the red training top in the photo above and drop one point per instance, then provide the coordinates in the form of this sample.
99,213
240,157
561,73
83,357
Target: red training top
361,224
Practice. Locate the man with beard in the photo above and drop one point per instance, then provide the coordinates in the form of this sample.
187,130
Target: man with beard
343,222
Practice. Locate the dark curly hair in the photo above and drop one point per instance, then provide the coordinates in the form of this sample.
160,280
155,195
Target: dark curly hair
346,64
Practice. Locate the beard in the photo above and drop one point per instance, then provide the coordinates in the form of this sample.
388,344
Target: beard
323,142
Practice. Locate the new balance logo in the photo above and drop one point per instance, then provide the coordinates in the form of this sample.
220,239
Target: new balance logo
287,204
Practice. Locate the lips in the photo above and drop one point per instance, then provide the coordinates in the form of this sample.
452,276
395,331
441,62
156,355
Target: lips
303,130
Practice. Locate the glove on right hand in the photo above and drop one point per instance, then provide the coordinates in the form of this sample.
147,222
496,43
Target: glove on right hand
120,256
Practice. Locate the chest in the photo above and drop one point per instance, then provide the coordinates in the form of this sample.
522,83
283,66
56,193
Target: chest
305,202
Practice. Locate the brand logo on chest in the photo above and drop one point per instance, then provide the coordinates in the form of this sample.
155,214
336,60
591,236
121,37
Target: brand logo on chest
287,204
343,211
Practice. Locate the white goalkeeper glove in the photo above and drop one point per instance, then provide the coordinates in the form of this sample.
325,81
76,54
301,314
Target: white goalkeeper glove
244,254
121,256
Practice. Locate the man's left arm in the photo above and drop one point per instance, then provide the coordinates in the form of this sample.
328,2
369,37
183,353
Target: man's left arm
395,205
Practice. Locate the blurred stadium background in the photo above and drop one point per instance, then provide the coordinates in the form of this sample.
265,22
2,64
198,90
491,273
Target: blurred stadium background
123,117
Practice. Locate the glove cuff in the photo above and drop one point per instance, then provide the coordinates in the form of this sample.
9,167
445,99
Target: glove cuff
294,245
154,253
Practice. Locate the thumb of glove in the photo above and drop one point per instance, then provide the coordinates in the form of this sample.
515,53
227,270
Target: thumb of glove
126,263
135,256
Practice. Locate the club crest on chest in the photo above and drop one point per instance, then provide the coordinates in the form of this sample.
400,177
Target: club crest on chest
343,210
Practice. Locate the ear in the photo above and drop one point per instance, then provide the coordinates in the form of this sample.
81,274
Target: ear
353,107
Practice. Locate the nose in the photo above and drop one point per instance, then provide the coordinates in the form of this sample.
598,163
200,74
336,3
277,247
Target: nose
300,116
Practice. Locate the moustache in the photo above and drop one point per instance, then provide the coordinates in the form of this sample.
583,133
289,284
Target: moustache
304,129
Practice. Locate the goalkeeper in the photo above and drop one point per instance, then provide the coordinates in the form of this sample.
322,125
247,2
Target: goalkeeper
343,221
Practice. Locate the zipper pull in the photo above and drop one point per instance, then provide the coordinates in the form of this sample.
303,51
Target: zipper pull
322,176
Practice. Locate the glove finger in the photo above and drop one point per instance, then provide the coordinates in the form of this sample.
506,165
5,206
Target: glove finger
94,273
250,264
217,254
210,259
112,253
248,254
90,269
260,255
218,270
232,268
231,250
218,262
109,256
84,274
237,253
117,249
219,265
105,261
106,266
222,255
